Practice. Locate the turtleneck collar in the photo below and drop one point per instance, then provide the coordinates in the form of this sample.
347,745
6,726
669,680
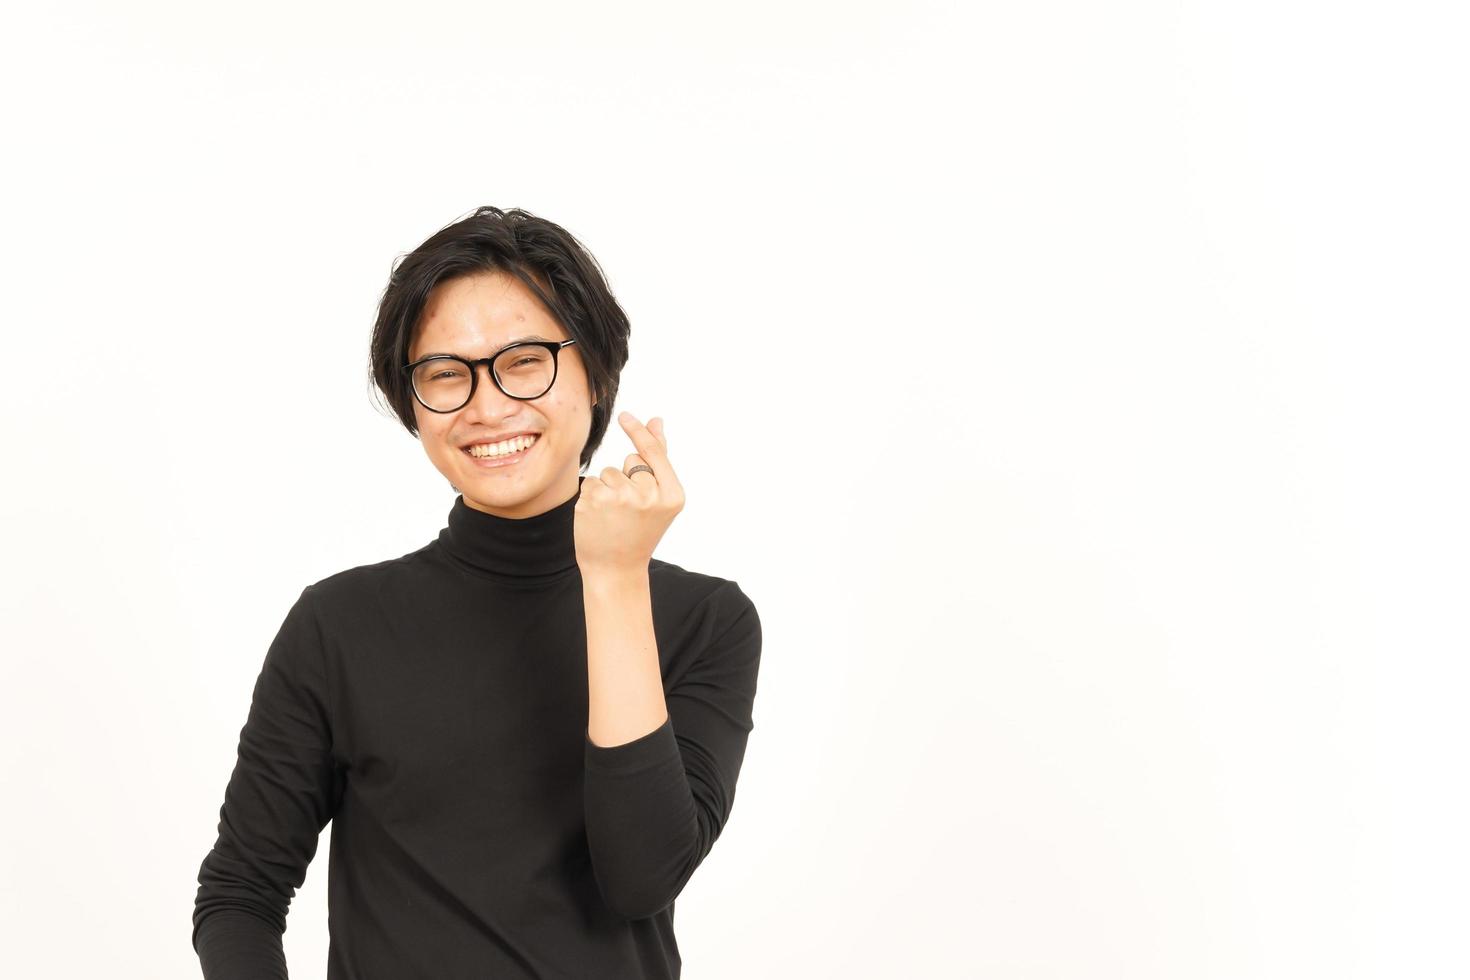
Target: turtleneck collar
523,548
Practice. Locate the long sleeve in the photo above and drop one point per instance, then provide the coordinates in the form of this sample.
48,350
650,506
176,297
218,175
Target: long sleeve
655,806
282,792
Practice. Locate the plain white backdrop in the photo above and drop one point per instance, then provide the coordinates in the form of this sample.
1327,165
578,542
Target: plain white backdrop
1077,389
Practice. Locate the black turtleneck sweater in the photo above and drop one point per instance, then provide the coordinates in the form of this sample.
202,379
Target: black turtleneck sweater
434,708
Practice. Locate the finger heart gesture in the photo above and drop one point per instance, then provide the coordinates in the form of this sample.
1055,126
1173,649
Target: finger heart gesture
620,519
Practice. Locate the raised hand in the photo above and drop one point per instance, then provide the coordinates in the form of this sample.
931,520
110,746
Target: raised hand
621,519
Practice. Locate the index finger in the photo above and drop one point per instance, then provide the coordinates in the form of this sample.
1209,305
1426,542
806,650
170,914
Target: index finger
650,448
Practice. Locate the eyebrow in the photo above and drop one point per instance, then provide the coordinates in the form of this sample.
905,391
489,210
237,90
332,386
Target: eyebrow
511,343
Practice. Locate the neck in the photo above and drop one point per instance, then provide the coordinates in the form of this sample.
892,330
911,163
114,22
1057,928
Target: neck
538,546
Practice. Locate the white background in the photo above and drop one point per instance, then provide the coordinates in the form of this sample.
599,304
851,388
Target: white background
1077,389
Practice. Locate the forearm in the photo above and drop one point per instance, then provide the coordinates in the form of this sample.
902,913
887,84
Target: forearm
235,945
625,694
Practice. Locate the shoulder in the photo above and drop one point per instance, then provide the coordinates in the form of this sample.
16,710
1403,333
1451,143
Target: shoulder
352,587
722,597
712,621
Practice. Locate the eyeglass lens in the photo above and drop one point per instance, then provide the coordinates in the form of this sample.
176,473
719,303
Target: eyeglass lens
443,383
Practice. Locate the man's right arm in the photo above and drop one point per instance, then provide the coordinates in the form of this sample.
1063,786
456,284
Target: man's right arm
282,792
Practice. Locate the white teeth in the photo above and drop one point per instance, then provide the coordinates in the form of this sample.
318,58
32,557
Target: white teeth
502,448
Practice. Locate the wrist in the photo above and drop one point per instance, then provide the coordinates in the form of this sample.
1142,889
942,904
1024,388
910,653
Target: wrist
614,578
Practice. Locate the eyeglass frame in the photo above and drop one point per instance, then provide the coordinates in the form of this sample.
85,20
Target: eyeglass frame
554,346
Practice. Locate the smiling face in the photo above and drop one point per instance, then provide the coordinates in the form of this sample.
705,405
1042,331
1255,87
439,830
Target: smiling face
475,316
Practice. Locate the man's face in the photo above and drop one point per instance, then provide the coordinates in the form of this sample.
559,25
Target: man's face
475,316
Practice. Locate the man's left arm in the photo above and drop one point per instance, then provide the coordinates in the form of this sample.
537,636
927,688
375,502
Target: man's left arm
656,801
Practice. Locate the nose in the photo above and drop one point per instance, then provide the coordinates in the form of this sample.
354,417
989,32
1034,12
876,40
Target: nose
488,400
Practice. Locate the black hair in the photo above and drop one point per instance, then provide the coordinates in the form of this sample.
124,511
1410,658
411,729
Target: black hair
534,250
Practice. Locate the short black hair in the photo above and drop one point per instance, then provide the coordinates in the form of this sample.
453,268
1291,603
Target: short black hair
539,253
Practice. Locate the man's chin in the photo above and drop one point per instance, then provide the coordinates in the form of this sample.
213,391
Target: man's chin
516,493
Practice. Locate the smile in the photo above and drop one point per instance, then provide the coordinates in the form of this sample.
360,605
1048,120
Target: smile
501,453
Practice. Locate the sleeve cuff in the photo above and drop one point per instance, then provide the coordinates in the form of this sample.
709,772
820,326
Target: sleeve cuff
649,750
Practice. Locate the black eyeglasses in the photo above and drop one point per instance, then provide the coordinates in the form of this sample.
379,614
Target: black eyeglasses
525,371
